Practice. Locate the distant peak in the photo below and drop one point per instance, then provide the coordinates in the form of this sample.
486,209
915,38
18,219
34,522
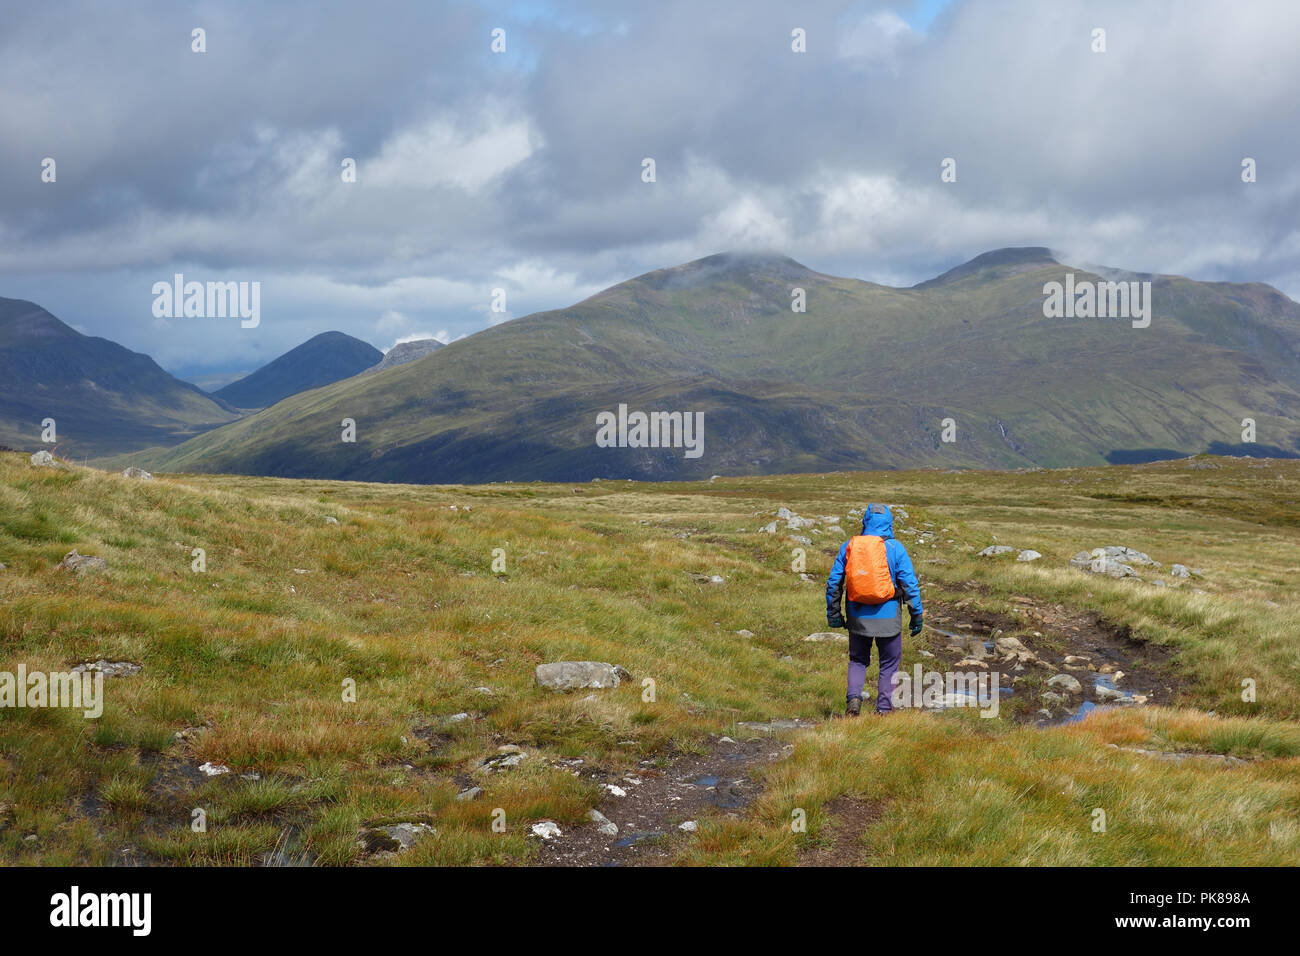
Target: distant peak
726,266
999,262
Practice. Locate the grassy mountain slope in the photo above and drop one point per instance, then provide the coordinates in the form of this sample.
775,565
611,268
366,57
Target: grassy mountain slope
246,660
104,398
322,359
864,378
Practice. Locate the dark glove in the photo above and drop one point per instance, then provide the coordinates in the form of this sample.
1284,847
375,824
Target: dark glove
835,619
915,627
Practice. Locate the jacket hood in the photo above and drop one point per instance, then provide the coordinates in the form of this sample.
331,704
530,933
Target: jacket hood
878,520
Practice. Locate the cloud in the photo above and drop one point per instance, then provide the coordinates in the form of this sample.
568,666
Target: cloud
522,171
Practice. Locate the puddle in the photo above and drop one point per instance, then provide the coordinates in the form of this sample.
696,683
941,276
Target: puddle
632,838
1086,708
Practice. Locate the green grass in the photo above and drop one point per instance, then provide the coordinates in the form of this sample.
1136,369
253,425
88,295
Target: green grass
400,599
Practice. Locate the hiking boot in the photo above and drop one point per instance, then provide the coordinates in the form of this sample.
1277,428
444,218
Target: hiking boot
854,707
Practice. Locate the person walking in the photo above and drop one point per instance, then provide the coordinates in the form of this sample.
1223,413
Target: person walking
873,570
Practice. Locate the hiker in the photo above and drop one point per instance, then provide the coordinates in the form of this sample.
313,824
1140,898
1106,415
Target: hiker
873,568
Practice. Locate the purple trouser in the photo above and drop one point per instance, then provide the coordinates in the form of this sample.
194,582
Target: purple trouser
891,652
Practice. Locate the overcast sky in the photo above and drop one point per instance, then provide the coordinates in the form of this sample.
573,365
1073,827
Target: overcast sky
522,170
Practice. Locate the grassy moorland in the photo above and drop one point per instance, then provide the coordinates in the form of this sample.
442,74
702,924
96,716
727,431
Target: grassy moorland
245,665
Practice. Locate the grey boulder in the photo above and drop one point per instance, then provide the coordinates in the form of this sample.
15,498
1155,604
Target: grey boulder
579,675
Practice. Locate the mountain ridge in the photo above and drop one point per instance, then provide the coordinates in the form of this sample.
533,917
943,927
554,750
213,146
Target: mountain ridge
864,378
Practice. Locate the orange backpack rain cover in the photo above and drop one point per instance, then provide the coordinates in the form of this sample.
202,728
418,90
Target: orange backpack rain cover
867,571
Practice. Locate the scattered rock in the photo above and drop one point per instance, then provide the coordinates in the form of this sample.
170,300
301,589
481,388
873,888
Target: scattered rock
1028,555
688,826
6,817
43,459
109,668
1067,683
473,793
995,549
1111,568
214,769
575,675
774,726
827,637
330,519
615,790
745,633
72,561
504,759
1109,694
604,824
134,472
547,830
395,838
1010,647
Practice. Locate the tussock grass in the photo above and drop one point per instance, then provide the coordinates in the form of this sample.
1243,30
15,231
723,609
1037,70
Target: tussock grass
400,600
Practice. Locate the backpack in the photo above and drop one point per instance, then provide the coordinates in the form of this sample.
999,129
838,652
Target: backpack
866,571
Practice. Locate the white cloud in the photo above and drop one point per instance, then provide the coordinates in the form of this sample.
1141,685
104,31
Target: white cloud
443,152
390,321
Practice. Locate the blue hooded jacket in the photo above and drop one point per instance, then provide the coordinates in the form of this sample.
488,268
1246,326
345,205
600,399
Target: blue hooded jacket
877,620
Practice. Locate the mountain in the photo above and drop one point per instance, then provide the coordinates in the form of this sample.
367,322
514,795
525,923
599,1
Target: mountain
404,352
863,379
320,360
104,398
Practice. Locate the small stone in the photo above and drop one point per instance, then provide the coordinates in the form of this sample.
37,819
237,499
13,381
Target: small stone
827,637
1028,555
547,830
745,633
1067,683
330,519
994,550
405,835
109,668
615,791
688,826
604,824
473,793
72,561
139,473
43,459
214,769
